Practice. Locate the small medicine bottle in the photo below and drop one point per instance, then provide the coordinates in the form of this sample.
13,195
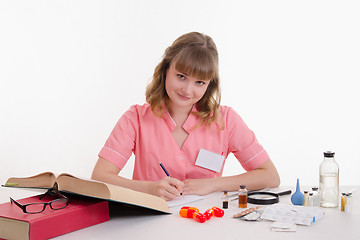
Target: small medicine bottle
226,200
306,198
348,203
311,199
242,197
343,201
316,197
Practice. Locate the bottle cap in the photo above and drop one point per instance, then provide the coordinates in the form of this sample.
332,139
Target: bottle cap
242,186
329,154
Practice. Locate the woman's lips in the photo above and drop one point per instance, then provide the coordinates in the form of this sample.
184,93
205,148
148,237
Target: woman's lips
183,97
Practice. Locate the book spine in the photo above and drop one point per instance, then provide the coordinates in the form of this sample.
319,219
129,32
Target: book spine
69,221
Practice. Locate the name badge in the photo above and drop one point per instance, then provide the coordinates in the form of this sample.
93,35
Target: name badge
210,160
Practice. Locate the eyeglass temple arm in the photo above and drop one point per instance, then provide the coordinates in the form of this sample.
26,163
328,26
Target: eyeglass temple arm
17,204
53,191
49,191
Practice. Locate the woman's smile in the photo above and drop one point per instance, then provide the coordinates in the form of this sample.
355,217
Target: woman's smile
183,97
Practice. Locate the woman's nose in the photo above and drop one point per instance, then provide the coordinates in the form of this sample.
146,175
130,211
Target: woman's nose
187,88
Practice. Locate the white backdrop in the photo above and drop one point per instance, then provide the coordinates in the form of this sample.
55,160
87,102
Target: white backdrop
69,69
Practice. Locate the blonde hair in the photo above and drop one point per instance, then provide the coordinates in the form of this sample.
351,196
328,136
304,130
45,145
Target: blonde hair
194,54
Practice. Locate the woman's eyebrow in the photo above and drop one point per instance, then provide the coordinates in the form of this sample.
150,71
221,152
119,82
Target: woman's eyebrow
179,72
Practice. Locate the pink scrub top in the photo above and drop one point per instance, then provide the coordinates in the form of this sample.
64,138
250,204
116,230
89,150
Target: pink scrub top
150,138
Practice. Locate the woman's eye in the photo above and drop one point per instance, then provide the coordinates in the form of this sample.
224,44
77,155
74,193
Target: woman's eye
200,83
181,76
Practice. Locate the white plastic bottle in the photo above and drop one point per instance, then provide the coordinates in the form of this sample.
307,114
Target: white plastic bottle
329,181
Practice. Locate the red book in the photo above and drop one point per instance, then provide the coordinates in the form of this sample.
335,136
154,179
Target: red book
81,212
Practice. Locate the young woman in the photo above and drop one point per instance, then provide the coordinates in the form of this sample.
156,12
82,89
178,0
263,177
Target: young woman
184,127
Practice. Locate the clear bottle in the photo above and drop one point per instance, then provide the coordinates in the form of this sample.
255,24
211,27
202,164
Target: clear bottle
329,181
348,202
311,199
316,197
242,197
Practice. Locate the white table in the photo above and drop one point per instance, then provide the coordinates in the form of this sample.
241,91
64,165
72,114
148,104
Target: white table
335,224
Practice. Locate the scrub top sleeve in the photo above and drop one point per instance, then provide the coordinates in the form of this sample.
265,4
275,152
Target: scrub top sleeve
243,143
121,142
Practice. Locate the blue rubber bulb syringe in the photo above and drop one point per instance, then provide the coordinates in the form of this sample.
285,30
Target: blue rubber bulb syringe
297,198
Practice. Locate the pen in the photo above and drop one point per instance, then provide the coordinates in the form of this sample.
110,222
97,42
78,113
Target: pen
166,172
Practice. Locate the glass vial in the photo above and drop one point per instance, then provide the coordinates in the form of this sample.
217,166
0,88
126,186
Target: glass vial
242,197
316,197
348,202
226,200
329,181
343,202
311,199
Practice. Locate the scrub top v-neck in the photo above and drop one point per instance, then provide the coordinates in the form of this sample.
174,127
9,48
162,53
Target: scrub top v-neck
151,140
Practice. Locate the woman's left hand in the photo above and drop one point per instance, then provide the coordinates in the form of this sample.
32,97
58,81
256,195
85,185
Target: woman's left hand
263,176
197,186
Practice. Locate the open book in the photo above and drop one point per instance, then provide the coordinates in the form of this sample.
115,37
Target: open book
90,188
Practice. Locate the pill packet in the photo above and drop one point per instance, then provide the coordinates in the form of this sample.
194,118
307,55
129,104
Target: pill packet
292,214
251,214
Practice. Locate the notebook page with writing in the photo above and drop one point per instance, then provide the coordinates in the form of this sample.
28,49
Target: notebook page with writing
184,199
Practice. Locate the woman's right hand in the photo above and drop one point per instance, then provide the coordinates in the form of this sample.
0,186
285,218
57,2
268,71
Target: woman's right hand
167,188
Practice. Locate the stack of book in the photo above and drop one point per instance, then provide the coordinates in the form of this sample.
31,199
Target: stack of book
88,205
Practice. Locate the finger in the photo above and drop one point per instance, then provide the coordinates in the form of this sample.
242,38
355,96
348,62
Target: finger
190,187
166,189
177,184
187,191
187,186
170,197
172,189
167,195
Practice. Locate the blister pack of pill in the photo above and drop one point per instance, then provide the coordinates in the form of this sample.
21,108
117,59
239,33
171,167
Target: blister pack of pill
292,214
250,214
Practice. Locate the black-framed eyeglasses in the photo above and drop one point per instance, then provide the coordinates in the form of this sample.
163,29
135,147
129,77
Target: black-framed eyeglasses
31,208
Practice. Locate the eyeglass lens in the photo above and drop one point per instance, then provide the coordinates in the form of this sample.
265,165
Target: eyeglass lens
39,207
58,203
